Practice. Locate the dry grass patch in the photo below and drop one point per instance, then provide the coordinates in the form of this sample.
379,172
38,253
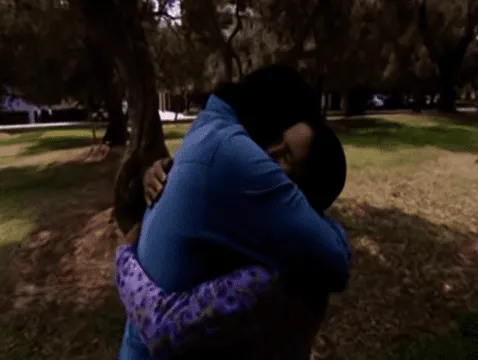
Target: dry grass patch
414,231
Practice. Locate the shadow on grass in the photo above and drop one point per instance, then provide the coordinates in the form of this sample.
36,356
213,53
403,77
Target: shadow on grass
22,138
37,195
47,144
411,279
56,299
467,119
57,176
387,135
6,251
397,305
61,331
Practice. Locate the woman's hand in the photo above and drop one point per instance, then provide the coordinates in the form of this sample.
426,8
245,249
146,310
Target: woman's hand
153,182
133,235
154,179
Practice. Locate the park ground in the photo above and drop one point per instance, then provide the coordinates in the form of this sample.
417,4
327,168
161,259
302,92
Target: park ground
410,206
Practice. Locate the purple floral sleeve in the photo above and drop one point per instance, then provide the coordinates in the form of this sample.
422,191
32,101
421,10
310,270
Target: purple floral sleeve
207,315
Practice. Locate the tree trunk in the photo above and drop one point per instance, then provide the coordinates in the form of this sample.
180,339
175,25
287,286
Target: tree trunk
116,132
447,101
418,100
356,102
336,103
449,59
147,144
117,27
319,91
228,64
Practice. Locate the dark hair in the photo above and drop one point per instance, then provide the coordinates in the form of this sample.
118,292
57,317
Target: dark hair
271,100
325,170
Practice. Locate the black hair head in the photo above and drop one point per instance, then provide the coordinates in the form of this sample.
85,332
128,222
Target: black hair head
325,170
271,100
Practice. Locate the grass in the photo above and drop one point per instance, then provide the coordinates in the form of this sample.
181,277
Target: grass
424,133
28,179
409,206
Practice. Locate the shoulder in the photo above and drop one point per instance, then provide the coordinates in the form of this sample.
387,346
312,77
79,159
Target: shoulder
244,164
202,140
235,143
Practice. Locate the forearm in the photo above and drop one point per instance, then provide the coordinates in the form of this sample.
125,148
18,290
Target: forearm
215,313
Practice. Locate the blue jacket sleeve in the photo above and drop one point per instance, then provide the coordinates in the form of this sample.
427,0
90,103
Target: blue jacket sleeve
276,217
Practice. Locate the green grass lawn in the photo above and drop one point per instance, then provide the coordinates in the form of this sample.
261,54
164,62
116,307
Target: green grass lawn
32,187
409,206
30,183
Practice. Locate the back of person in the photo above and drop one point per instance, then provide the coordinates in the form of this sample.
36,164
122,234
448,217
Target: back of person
228,204
182,241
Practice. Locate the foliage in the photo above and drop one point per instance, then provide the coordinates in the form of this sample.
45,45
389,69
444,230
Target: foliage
377,43
130,49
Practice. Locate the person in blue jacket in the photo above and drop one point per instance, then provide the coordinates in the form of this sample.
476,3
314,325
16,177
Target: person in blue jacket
240,305
227,204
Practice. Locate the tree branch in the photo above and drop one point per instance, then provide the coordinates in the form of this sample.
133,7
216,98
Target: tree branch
295,52
165,15
424,30
468,36
237,27
232,35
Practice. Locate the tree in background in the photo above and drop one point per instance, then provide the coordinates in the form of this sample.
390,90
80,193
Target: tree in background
447,29
38,53
133,48
119,27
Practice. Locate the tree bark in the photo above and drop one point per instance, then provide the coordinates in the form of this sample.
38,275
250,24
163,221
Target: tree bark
356,102
228,64
118,27
296,52
448,57
447,102
116,132
319,91
147,143
210,33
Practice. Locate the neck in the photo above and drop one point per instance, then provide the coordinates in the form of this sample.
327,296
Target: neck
251,112
231,94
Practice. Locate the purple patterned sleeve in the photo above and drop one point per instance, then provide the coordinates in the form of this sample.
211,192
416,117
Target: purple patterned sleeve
205,316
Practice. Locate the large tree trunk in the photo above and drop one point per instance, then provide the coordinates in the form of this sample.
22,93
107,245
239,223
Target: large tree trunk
356,102
447,101
147,143
116,132
227,59
117,26
448,57
319,91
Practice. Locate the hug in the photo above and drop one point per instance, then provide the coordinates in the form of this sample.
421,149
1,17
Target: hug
236,259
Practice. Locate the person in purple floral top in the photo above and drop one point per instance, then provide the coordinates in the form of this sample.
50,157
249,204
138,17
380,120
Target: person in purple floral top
221,310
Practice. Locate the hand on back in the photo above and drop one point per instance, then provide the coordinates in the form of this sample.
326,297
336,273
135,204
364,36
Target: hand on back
154,180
